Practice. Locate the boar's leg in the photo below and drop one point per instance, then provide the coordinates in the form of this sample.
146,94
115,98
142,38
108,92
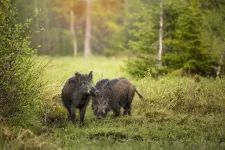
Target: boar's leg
129,101
72,114
116,112
68,109
127,110
82,114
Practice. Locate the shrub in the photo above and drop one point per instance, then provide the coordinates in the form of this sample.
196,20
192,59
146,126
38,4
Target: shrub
20,84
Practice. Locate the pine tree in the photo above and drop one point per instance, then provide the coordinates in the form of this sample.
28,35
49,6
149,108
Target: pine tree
186,48
144,34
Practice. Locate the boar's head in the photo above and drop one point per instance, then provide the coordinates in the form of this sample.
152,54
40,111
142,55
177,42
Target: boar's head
101,107
87,87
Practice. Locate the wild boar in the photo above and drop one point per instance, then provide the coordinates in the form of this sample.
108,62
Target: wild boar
99,85
76,93
114,95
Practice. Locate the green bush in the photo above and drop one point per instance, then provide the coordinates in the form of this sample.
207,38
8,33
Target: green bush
20,84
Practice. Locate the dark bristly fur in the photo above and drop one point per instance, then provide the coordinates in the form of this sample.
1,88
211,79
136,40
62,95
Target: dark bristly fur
100,83
76,93
114,94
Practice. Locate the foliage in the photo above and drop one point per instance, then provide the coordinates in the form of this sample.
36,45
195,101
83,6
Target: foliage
108,26
51,27
4,5
185,43
214,28
143,42
193,32
19,76
141,67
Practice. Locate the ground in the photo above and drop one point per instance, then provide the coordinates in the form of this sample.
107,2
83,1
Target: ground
176,112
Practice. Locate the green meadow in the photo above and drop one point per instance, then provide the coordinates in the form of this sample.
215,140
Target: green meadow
176,112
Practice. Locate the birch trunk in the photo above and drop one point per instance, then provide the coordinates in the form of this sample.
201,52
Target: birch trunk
36,20
73,33
48,42
87,45
220,63
160,35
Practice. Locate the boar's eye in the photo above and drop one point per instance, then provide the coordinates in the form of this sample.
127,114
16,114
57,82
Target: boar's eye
104,102
85,83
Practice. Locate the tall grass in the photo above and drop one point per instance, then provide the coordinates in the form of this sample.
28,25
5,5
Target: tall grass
184,94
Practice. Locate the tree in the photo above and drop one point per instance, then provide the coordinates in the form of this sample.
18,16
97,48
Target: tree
187,50
67,15
87,45
108,27
184,45
51,28
160,35
4,5
144,35
214,25
73,33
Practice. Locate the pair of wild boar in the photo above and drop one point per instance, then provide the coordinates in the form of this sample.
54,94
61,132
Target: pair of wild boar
106,95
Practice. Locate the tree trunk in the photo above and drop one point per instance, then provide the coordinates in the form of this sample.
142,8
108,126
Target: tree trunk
48,38
220,63
87,46
160,36
73,33
36,19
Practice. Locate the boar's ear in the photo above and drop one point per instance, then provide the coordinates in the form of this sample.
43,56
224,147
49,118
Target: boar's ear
105,102
77,75
90,74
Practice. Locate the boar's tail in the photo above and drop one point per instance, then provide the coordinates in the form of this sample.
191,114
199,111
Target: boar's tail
140,96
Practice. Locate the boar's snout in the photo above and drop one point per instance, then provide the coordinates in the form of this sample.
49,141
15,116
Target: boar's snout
96,92
101,114
100,117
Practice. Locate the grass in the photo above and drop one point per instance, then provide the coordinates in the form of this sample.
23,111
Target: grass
176,113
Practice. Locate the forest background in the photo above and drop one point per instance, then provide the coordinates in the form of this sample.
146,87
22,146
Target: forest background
158,36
